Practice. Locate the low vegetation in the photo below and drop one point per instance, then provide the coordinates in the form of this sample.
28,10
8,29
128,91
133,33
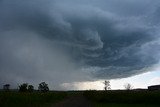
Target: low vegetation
109,98
124,98
26,99
123,105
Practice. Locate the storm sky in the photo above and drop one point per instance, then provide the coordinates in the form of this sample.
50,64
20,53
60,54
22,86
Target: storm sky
65,41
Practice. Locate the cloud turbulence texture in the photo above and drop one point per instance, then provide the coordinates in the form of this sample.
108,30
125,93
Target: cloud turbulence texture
77,40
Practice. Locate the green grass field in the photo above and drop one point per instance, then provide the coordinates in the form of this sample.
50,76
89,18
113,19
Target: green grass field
97,98
124,98
123,105
35,99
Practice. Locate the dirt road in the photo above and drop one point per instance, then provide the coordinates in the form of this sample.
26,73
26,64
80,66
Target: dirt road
74,101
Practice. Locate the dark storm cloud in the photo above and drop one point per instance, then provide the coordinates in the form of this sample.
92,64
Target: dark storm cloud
73,40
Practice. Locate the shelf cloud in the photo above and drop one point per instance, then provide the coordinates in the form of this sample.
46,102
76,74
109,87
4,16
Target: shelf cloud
60,41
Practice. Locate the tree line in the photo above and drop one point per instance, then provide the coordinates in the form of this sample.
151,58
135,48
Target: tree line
107,85
43,87
25,87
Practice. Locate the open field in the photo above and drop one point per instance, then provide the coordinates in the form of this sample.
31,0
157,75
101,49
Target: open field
124,98
35,99
123,105
81,99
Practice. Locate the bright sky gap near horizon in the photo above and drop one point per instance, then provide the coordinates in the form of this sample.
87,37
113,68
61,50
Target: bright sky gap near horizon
77,44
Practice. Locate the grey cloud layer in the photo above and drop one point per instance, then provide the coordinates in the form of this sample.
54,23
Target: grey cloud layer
66,41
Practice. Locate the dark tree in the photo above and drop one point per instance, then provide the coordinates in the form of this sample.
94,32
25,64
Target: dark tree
23,87
30,88
43,87
26,88
107,85
6,87
128,86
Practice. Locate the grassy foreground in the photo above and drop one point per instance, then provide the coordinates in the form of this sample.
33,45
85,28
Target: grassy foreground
124,98
97,98
123,105
35,99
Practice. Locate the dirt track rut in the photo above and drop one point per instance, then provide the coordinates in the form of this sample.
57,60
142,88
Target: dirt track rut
74,101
